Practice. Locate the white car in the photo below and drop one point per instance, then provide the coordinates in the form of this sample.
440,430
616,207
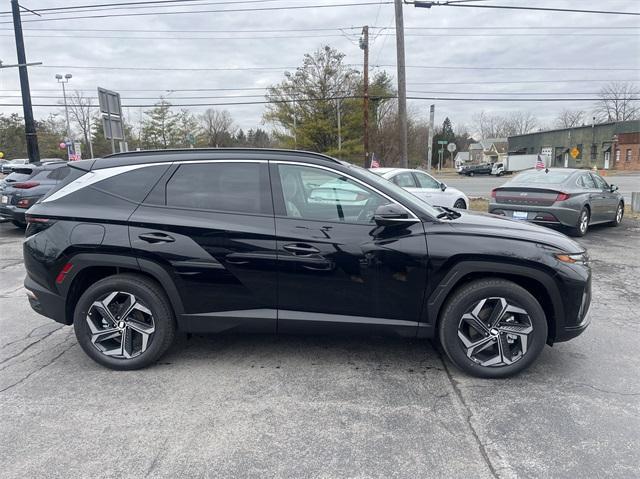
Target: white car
425,187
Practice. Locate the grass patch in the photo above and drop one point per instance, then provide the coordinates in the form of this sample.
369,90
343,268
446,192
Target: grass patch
479,204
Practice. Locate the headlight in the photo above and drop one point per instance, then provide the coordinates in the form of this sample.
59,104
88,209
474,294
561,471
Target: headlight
582,258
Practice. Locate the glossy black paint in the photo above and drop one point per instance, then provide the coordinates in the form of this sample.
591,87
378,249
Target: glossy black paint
272,272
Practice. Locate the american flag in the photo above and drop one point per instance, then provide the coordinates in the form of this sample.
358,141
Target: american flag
374,163
539,163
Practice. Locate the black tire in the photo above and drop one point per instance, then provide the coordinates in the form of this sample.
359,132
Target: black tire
17,224
619,215
460,204
148,293
582,226
466,298
471,173
501,173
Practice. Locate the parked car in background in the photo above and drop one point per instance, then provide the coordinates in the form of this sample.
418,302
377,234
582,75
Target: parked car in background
481,169
137,245
516,163
564,197
25,186
6,168
425,187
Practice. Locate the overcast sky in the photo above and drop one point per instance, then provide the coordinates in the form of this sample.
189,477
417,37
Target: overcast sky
463,38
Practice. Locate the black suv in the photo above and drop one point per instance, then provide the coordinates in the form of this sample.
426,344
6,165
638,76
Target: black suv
481,169
135,246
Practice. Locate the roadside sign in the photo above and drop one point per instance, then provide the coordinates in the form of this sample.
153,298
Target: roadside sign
451,147
111,110
575,152
442,142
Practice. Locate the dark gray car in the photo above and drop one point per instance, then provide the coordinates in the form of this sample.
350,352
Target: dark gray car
26,185
559,197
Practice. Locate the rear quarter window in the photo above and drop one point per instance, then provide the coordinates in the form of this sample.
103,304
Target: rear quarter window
132,185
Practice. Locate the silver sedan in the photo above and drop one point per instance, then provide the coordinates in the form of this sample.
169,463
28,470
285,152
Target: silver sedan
565,197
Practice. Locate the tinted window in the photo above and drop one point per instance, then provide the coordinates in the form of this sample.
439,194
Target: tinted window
404,180
17,177
553,177
71,174
587,181
318,194
425,181
232,187
600,183
132,185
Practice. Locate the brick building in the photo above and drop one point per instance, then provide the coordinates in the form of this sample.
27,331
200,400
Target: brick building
612,145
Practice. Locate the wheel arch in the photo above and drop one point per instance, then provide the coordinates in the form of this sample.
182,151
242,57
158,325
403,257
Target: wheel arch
539,283
89,268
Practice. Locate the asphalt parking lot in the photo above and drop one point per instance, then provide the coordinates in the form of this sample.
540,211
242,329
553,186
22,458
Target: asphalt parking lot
260,406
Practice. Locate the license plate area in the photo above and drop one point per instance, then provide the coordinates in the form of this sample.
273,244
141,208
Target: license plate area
5,199
520,215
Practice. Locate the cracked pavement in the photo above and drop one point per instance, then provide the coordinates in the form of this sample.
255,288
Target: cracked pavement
261,406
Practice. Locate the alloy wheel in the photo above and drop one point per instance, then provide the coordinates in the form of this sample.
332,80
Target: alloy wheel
495,332
619,213
121,325
584,222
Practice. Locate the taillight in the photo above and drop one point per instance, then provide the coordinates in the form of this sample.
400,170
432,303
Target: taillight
63,273
35,219
562,196
25,185
493,193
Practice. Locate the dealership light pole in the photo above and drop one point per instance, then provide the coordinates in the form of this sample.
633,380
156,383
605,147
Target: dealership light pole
62,80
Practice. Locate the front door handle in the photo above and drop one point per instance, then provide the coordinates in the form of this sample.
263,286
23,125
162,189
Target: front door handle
156,238
301,249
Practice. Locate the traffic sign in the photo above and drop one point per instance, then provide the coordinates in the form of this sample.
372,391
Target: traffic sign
442,142
451,147
575,152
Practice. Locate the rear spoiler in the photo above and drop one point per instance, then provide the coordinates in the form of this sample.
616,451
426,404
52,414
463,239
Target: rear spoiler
83,165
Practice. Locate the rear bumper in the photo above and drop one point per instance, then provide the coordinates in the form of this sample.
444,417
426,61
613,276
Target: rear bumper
12,213
45,302
552,215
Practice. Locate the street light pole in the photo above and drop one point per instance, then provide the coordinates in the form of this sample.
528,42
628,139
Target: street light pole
62,80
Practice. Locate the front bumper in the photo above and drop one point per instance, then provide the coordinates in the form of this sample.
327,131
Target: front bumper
550,215
45,302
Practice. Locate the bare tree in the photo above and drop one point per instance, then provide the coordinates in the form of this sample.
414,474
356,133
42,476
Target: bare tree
618,102
81,112
217,127
498,126
570,118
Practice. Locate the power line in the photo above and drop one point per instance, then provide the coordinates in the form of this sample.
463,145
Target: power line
249,68
424,4
417,98
232,10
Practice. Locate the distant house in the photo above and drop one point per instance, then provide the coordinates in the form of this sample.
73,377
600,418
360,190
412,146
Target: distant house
462,158
488,151
611,145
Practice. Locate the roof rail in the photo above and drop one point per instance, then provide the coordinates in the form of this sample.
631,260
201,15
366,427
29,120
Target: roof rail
218,150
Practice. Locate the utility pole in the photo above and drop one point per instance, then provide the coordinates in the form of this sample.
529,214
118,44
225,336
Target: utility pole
339,125
402,86
364,45
29,123
432,115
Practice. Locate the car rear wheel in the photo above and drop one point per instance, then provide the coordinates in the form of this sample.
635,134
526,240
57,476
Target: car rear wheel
619,215
582,225
492,328
124,322
471,173
460,204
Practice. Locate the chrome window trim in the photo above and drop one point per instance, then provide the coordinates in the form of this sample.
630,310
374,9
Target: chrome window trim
368,186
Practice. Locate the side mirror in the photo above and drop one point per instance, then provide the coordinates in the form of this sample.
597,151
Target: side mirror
613,188
392,214
443,186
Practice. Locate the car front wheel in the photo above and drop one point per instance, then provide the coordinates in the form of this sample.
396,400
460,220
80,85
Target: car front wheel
124,322
492,328
460,204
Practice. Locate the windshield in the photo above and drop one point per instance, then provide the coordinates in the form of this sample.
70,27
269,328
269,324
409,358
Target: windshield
411,200
540,177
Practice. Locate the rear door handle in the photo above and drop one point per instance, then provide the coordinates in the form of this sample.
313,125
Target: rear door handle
301,249
156,238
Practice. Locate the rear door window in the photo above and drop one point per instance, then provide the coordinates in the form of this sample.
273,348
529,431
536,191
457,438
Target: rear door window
404,180
238,187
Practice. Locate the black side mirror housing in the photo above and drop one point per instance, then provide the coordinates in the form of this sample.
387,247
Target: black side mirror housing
613,188
392,214
443,186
